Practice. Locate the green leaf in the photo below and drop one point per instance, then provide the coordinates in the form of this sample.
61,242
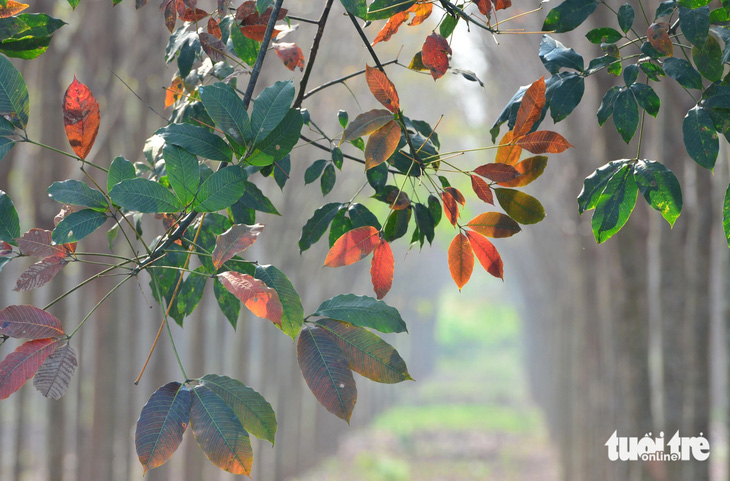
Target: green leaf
246,49
522,207
397,225
646,98
631,73
337,157
447,26
220,190
700,137
625,114
78,225
253,198
229,304
726,215
694,3
665,8
293,316
359,8
361,216
314,171
568,15
695,23
682,71
605,34
341,224
9,222
366,353
31,42
197,140
5,145
120,169
252,410
282,171
219,433
625,17
606,109
270,108
652,71
161,425
555,55
424,221
595,183
564,93
12,26
74,4
279,142
716,96
708,59
183,172
615,68
381,9
327,181
146,196
226,109
377,176
317,225
14,101
660,188
191,291
75,192
362,311
615,204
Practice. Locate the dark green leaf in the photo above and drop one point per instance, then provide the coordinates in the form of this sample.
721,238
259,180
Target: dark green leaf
700,137
648,50
381,9
595,183
78,225
120,169
5,146
708,59
665,8
14,101
615,68
197,140
682,71
9,223
342,117
362,311
606,109
652,71
282,171
605,34
377,176
598,63
397,225
564,92
33,41
317,225
229,304
270,108
631,73
340,225
220,190
724,34
695,23
315,170
424,221
361,216
327,181
279,142
434,207
660,188
191,291
226,109
625,17
625,114
615,204
555,55
183,172
359,8
716,96
646,98
337,157
75,192
143,195
568,15
293,315
253,198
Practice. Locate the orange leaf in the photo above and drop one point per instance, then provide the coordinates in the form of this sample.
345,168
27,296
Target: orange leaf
501,4
529,169
381,269
530,111
450,208
191,15
497,172
391,27
352,246
290,54
422,11
487,254
80,118
508,152
494,224
12,8
544,142
458,196
461,260
482,189
382,88
659,38
260,299
214,28
381,144
256,32
435,55
174,92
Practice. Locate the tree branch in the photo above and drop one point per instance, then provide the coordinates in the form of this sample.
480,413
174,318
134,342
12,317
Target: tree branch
313,52
340,80
262,53
327,149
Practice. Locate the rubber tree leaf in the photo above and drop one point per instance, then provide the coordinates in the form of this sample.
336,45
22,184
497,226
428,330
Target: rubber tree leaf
29,322
54,375
359,8
708,59
80,118
9,222
700,137
183,172
646,98
595,183
229,304
362,311
522,207
486,254
494,224
220,190
605,110
78,225
625,17
317,225
270,108
146,196
260,299
279,142
555,55
119,170
615,204
75,192
660,188
234,241
381,9
14,100
568,15
293,313
365,124
197,140
626,114
226,109
564,93
695,23
22,364
353,246
683,72
32,41
382,269
461,260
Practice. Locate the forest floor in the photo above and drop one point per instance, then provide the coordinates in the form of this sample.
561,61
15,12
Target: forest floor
471,420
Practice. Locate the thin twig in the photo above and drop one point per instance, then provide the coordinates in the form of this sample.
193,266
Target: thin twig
140,98
313,52
262,53
340,80
366,42
327,149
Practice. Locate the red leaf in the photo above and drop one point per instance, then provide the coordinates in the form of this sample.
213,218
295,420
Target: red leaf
450,208
435,55
256,32
529,169
353,246
213,47
659,38
461,260
382,144
494,224
487,254
497,172
458,196
29,322
501,4
12,8
38,243
391,27
41,272
485,6
80,118
531,107
263,301
382,269
246,10
482,189
236,239
23,363
174,92
191,15
170,14
544,142
214,28
382,88
422,11
5,249
290,54
508,152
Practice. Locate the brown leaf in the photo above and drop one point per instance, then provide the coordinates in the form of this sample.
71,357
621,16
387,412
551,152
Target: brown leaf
190,15
12,8
659,38
382,269
213,46
435,55
5,249
29,322
485,6
529,169
41,272
38,243
233,241
391,27
461,260
486,254
214,28
80,118
482,189
174,92
497,172
456,194
494,224
544,142
382,144
365,124
501,4
23,363
246,10
260,299
170,13
398,200
422,11
353,246
65,210
382,88
530,109
55,373
508,151
257,32
264,19
290,54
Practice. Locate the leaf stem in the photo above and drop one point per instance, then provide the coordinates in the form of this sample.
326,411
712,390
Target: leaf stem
99,304
58,151
83,283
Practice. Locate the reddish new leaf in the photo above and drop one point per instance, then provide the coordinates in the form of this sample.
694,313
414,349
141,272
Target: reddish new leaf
214,28
29,322
422,11
382,269
461,260
38,243
12,8
487,254
508,151
501,4
55,374
382,144
190,15
659,38
382,88
213,47
290,54
482,189
80,118
23,363
41,272
353,246
391,27
456,194
497,172
236,239
245,13
260,299
485,6
529,170
494,224
174,92
544,142
531,107
257,32
450,208
435,55
327,372
365,124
